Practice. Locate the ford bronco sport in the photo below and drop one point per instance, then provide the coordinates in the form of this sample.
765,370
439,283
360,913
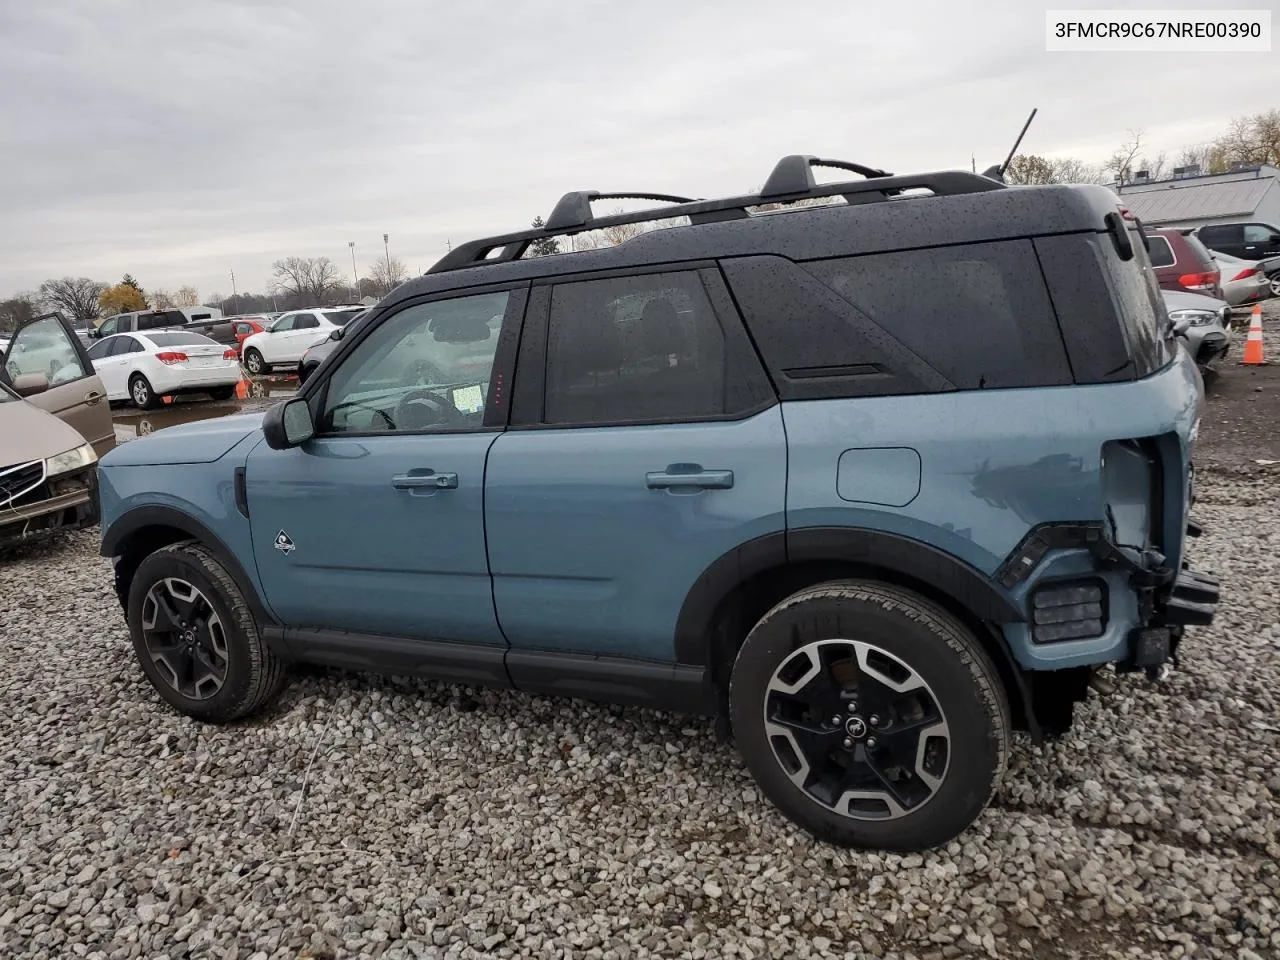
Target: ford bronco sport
875,482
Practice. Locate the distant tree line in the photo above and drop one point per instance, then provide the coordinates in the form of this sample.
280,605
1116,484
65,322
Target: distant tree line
1251,141
296,282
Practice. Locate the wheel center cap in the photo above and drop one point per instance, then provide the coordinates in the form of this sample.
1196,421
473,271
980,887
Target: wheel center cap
189,635
855,727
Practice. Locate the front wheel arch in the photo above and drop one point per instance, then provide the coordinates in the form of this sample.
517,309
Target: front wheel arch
137,534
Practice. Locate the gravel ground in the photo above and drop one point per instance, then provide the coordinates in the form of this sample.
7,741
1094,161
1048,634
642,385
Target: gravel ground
369,817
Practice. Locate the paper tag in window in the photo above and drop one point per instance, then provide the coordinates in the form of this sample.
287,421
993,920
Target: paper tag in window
469,399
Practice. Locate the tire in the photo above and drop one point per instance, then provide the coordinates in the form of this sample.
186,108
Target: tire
255,364
304,371
222,393
241,674
1275,284
954,732
141,393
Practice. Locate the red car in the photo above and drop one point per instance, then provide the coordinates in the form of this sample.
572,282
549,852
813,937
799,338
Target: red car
1183,263
247,326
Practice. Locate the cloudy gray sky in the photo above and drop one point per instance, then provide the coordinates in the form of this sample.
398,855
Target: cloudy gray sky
181,141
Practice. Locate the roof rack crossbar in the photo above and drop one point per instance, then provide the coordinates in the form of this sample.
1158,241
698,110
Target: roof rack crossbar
511,246
794,174
574,209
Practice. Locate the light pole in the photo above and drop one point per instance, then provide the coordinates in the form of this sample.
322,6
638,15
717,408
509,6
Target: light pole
387,248
355,273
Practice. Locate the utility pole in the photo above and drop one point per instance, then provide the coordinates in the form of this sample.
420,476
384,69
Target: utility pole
387,248
355,273
233,285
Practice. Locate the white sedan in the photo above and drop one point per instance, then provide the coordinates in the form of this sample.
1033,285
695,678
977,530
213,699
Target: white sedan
285,341
143,367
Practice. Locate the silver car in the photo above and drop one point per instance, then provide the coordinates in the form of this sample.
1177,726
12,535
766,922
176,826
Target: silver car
1203,322
1243,282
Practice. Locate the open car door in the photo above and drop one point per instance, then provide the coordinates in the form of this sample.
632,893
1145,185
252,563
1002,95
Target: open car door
46,363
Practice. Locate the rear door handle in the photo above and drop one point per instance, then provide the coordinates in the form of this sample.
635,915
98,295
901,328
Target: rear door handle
689,475
425,480
92,397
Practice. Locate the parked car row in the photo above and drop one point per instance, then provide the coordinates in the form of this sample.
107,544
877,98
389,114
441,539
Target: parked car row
1182,262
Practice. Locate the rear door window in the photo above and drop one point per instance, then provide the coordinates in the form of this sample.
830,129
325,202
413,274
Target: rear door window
1224,234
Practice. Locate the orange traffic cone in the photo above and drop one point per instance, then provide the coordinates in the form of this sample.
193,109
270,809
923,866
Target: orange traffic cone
242,389
1253,343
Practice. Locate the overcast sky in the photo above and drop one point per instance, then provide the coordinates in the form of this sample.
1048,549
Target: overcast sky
180,141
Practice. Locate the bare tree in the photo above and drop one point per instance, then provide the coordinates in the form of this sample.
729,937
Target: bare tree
388,274
75,296
1252,140
307,280
1071,170
186,296
162,299
1120,166
17,309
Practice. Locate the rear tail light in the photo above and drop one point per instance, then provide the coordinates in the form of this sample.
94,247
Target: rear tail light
1068,611
230,354
1246,273
1198,281
170,356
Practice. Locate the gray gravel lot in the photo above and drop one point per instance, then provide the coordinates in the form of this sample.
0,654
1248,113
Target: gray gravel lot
369,817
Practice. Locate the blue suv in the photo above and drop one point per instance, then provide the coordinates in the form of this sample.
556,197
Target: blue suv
875,481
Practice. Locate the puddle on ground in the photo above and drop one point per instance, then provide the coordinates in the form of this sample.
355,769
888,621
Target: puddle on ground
131,423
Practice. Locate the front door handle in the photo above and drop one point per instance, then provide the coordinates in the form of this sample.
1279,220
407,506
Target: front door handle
689,476
93,397
425,480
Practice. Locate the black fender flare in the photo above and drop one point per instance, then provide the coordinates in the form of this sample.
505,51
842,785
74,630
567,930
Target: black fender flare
116,536
963,584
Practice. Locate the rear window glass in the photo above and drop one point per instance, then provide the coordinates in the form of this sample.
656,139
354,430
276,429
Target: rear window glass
342,317
1161,252
978,314
178,339
161,318
1200,251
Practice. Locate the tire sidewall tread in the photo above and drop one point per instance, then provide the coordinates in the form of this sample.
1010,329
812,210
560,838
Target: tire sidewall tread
969,683
254,674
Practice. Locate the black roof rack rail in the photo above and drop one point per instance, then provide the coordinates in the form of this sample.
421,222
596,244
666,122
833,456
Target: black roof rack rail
574,209
791,180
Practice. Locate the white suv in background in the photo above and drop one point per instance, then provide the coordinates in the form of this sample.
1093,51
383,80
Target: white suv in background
285,341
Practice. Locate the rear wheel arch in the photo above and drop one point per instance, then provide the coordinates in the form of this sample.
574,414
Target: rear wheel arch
739,588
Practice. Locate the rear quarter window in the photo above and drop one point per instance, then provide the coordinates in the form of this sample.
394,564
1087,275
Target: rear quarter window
1161,253
1110,310
978,314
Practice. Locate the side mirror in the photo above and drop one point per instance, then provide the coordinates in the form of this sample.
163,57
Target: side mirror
337,333
288,424
1181,326
29,384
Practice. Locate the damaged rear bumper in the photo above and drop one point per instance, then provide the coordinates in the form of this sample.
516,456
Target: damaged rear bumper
1170,600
